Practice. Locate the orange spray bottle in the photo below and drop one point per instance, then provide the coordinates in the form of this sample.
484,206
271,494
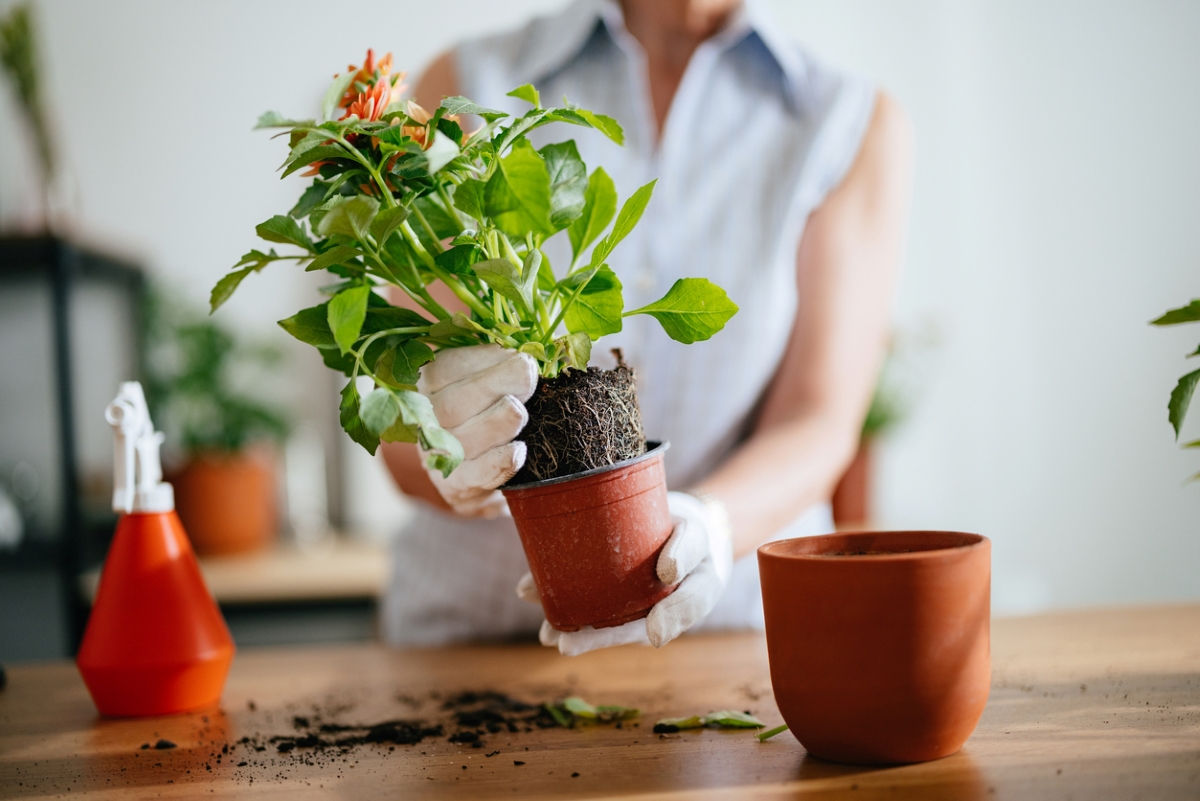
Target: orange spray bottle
155,643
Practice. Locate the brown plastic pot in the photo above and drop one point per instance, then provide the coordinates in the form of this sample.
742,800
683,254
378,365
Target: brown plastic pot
227,502
592,540
878,642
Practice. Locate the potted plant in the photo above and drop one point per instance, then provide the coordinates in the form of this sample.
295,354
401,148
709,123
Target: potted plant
225,490
403,197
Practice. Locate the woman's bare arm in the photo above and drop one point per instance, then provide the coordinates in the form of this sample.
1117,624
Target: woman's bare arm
403,459
812,414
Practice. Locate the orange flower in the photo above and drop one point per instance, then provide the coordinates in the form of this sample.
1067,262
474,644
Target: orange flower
382,88
419,115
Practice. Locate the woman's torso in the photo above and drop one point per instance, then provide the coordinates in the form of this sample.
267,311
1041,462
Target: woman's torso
757,134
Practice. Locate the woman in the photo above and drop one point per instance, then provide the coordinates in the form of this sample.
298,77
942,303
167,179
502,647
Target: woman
783,181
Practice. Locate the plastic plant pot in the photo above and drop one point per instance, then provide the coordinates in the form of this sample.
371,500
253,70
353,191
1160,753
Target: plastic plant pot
592,540
879,642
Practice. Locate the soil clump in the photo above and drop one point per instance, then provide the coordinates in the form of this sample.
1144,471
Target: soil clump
581,420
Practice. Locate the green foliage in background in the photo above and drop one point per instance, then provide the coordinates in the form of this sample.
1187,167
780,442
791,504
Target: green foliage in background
1181,396
18,55
404,198
189,366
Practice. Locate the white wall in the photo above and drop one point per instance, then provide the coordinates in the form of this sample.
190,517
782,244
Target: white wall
1055,214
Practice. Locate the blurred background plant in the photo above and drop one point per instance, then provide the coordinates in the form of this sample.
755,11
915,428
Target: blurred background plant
21,61
205,389
201,380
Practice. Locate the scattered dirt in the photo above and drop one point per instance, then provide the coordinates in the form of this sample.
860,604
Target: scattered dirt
464,719
581,420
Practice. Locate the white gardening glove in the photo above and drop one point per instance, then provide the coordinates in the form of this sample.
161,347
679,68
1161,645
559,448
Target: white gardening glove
478,394
699,556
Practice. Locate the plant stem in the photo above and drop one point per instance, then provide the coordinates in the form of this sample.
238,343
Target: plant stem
449,204
433,237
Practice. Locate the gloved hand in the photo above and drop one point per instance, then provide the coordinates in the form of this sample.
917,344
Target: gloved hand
699,555
478,394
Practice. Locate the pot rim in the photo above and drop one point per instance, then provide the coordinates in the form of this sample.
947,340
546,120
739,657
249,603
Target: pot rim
652,449
778,548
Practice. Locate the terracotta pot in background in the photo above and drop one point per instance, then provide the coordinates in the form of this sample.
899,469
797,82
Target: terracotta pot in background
880,658
227,502
852,497
593,539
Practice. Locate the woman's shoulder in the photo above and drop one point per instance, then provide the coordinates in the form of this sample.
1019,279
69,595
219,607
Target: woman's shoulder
526,53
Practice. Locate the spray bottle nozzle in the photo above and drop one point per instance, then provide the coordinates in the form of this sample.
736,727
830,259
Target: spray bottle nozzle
137,470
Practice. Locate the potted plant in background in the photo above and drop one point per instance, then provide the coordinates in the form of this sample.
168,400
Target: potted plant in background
403,197
198,376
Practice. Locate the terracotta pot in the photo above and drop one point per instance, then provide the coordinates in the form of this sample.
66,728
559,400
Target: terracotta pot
880,658
593,539
852,497
227,502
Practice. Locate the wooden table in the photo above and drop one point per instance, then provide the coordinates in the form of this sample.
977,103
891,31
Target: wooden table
1102,704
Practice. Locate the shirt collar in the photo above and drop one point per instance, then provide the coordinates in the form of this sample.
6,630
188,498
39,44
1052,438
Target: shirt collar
565,35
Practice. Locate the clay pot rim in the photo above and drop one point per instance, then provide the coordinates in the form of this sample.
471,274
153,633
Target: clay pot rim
652,449
779,548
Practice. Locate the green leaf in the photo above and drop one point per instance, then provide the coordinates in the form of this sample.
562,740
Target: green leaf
517,197
333,95
443,451
347,311
1185,314
458,259
560,715
449,328
589,119
469,198
769,733
313,196
340,254
579,707
599,206
578,348
535,349
597,309
382,317
348,414
461,105
311,326
351,217
546,280
226,287
568,182
527,93
1181,398
273,119
386,222
323,153
627,218
441,151
515,133
407,359
284,229
668,725
692,310
1193,444
502,276
379,410
732,719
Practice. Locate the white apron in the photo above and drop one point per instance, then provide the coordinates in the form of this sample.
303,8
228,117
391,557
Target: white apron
757,135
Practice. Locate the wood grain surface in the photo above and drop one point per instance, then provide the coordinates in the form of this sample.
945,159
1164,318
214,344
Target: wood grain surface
1098,704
